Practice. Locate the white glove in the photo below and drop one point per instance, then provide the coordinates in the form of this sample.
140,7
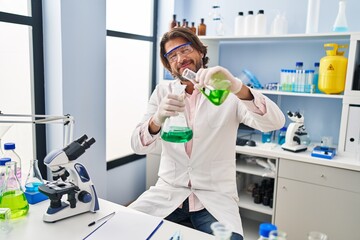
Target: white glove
169,106
204,78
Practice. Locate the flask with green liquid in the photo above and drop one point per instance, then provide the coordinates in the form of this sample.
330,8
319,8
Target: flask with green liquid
12,195
217,92
175,128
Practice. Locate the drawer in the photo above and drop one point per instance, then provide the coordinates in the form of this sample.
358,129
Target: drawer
322,175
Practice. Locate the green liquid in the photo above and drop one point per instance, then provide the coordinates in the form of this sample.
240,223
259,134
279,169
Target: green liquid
16,201
217,97
177,135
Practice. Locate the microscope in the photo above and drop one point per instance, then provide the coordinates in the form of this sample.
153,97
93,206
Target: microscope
71,179
294,132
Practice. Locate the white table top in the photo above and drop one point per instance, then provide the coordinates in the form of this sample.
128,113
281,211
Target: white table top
33,227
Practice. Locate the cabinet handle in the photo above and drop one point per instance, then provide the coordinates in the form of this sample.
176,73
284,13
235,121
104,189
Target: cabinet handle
283,187
322,176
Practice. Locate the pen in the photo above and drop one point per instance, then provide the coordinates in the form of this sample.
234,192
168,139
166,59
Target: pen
107,216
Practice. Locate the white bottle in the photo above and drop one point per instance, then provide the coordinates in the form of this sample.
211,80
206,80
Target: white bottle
260,23
340,24
312,20
9,152
249,23
239,24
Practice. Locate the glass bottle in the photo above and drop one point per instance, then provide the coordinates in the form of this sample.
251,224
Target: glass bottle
221,231
33,181
193,28
12,195
317,236
217,92
340,24
175,128
277,235
316,77
9,152
265,229
173,23
202,28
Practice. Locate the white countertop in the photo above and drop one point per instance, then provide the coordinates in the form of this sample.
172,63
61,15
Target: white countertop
275,151
33,227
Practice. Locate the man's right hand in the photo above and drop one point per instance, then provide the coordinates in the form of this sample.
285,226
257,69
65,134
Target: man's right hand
169,106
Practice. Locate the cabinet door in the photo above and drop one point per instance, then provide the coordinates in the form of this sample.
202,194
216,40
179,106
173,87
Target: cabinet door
304,207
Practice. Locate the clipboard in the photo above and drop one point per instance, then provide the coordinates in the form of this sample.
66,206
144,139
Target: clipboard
127,225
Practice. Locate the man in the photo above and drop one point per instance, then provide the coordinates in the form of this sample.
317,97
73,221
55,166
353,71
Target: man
197,179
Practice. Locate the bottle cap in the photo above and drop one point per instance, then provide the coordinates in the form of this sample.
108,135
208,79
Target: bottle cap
8,146
316,64
4,160
265,229
241,13
261,12
299,64
250,12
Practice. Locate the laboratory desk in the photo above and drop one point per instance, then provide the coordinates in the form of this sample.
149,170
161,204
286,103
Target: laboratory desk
33,227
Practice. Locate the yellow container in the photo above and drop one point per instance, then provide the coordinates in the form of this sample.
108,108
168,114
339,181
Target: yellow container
332,72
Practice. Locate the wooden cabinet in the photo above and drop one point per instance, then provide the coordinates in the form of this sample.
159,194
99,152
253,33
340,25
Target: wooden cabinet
313,197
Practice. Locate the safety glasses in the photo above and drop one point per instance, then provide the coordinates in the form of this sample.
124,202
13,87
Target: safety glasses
181,50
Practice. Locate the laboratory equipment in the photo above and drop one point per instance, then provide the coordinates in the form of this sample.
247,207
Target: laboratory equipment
221,231
239,24
312,19
218,20
12,195
266,137
175,128
33,181
3,161
71,179
294,133
281,136
5,226
323,152
9,152
260,23
201,28
316,77
249,23
340,24
217,92
317,236
332,72
277,235
265,229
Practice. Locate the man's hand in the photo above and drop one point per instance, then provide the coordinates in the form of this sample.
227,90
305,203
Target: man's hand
207,76
169,106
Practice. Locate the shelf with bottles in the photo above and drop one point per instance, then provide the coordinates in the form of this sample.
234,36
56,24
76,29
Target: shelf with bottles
255,183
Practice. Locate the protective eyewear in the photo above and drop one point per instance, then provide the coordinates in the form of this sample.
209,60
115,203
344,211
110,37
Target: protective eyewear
182,50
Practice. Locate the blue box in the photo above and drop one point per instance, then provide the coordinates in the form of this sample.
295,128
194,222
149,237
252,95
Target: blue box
35,197
323,152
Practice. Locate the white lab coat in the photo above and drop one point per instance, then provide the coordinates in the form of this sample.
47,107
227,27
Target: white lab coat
211,167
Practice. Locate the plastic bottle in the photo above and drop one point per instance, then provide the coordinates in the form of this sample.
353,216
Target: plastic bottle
9,152
265,229
277,25
249,23
239,24
260,23
202,28
173,23
312,20
316,77
297,87
12,195
340,24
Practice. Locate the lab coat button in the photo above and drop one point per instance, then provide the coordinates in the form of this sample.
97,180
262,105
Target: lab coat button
189,169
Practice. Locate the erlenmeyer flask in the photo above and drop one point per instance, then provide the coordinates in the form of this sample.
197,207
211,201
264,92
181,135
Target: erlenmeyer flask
33,181
12,195
176,129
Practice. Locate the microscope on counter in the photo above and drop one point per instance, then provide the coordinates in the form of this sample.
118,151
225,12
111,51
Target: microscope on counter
71,179
294,133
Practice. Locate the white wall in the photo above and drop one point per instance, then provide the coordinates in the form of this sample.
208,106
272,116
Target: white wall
74,51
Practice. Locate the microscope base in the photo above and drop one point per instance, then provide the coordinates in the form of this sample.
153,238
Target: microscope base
294,148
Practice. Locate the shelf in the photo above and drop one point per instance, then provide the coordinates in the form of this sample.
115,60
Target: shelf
250,168
318,36
247,202
296,94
